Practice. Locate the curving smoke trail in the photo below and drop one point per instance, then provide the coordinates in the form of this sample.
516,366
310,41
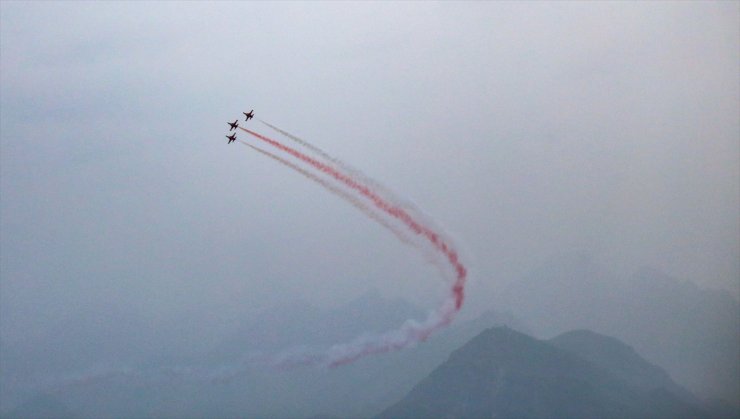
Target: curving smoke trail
411,332
430,254
356,174
354,201
393,210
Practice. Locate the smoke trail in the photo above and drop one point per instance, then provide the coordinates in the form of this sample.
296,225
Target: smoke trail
431,255
338,192
382,204
309,146
354,173
393,210
411,332
408,334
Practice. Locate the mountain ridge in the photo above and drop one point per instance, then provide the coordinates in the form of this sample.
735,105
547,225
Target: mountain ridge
504,373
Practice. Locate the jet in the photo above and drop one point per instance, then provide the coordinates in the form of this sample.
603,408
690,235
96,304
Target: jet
231,138
234,125
249,115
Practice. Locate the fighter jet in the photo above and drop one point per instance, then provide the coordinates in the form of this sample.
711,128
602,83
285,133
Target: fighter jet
249,115
234,125
231,138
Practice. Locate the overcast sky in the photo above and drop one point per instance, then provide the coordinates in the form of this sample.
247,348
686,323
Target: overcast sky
528,130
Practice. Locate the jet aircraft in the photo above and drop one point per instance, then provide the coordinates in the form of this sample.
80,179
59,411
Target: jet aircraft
249,115
231,138
234,125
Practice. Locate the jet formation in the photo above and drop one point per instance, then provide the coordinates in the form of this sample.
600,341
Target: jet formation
234,125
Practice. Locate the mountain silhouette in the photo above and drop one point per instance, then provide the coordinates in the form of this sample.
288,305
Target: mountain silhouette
504,373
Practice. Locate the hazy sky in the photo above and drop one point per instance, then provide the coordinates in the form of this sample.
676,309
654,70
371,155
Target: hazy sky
527,129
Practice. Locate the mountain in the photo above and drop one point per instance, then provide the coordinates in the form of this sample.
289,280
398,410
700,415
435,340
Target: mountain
360,389
693,333
504,373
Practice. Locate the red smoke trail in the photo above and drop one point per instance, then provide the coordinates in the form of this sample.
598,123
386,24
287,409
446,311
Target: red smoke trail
379,189
351,171
340,193
399,213
304,143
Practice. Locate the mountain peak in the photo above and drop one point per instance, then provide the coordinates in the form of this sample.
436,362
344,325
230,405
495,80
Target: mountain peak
505,373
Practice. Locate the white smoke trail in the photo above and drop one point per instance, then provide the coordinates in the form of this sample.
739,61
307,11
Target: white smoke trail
411,332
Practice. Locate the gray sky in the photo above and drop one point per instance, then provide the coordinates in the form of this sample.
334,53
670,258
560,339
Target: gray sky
526,129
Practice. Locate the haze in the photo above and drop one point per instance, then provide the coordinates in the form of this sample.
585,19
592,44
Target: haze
529,130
